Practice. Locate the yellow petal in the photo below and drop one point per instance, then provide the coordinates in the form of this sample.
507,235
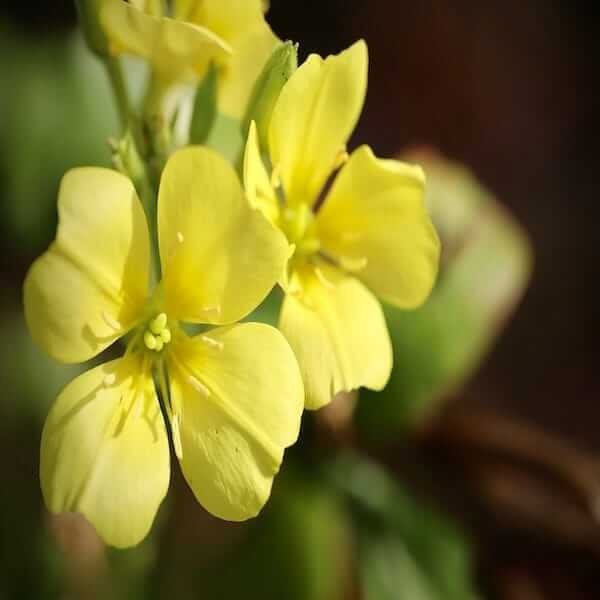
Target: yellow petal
257,184
241,24
241,399
375,218
250,52
176,50
229,19
220,257
90,287
313,119
105,452
337,330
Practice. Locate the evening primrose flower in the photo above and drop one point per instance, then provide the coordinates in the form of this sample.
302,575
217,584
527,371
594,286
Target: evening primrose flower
181,43
233,395
371,230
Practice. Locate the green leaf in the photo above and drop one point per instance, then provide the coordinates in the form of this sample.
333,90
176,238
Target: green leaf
486,263
205,107
406,551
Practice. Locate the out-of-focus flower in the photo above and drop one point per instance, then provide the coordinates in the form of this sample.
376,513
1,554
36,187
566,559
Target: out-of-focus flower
372,227
180,45
233,395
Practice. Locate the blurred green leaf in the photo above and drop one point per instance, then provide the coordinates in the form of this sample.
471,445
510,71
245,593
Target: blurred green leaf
32,378
57,114
486,262
297,549
405,550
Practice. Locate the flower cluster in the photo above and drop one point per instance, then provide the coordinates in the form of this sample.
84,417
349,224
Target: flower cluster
170,264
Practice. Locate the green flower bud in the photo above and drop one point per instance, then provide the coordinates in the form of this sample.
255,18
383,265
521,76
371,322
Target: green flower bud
89,17
277,70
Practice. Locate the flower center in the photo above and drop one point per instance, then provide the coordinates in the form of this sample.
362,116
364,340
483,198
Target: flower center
157,334
298,224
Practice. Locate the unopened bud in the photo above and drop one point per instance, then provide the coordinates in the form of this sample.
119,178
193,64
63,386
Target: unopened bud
276,72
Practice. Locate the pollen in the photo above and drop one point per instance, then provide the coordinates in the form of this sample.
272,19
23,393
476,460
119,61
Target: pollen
157,334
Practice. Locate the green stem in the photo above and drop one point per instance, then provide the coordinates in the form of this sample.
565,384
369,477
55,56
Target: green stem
115,75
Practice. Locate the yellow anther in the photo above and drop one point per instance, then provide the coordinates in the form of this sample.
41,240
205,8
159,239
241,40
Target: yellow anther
165,335
158,323
149,340
159,344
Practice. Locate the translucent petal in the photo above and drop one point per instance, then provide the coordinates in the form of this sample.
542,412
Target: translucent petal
91,285
313,119
337,330
176,50
250,52
220,257
229,19
375,218
241,400
105,452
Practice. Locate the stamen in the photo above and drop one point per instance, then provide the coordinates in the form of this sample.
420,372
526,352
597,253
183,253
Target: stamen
198,386
159,344
150,340
180,237
212,343
158,323
165,335
111,321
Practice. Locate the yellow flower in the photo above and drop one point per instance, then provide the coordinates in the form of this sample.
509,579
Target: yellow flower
233,395
371,228
231,33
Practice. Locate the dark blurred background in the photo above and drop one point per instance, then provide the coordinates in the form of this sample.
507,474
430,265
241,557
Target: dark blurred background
511,89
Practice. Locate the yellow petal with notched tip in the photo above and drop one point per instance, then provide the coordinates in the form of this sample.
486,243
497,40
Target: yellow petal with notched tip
91,285
105,452
313,119
375,218
220,257
337,330
241,398
257,184
177,50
